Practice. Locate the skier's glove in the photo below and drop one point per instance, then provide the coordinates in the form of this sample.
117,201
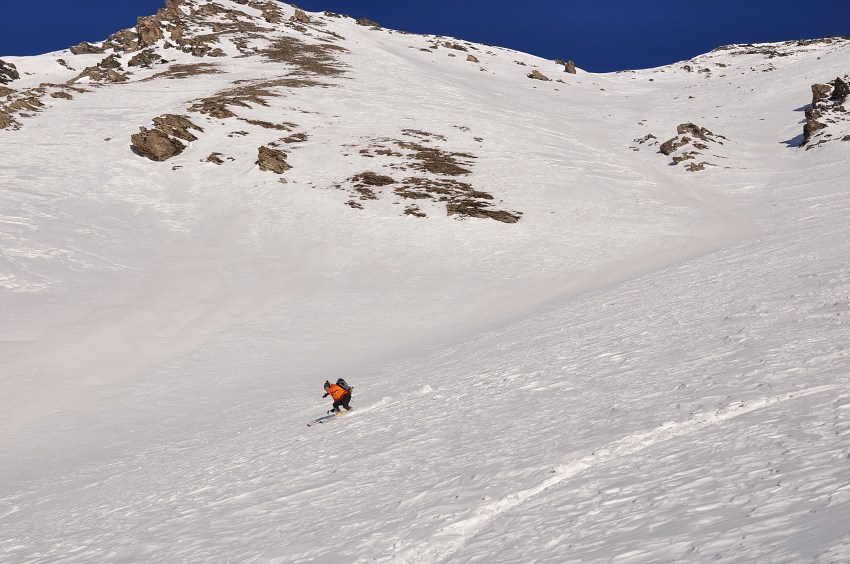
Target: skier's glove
324,396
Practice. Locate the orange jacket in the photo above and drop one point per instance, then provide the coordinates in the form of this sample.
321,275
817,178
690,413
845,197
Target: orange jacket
336,392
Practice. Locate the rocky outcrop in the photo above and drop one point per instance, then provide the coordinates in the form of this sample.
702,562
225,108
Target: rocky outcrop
110,62
671,145
537,75
107,70
273,160
368,23
177,126
373,179
97,74
693,139
124,41
86,48
156,145
146,58
149,31
8,72
163,142
827,107
300,17
569,66
473,208
840,91
695,130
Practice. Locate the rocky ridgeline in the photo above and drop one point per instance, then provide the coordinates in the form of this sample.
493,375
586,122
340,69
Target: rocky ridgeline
186,25
828,108
783,49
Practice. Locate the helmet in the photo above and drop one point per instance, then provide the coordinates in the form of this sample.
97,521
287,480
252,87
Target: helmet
327,384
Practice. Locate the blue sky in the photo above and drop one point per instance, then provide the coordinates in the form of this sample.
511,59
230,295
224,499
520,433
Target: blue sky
599,35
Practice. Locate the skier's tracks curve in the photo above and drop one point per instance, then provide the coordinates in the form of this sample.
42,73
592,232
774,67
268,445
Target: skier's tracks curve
453,537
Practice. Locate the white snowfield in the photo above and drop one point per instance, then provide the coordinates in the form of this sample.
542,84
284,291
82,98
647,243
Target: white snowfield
651,365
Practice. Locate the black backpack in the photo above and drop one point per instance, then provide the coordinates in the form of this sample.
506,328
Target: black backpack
343,384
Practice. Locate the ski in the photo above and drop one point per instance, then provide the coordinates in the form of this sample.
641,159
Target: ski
320,420
326,418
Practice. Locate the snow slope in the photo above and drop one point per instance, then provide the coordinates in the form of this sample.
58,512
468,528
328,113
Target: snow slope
648,366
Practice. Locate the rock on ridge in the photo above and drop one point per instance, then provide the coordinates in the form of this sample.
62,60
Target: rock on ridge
163,142
273,160
827,102
8,72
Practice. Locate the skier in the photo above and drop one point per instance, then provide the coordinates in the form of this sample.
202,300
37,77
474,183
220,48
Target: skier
340,394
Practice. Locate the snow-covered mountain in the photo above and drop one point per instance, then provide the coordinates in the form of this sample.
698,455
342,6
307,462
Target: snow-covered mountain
588,317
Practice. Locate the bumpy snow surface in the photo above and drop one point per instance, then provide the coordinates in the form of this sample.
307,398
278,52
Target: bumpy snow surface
650,365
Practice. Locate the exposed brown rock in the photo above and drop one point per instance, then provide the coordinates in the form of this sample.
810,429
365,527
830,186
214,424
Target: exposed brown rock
840,90
695,167
273,160
271,10
149,31
186,71
812,125
110,62
693,129
125,40
367,22
86,48
671,145
163,142
269,125
537,75
8,72
96,74
570,67
300,17
472,58
820,92
177,126
307,59
146,58
455,46
473,208
435,161
414,210
836,91
6,120
373,179
27,104
156,145
172,10
436,184
63,95
683,157
295,138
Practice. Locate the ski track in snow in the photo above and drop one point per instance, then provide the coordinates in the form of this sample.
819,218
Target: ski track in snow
453,537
